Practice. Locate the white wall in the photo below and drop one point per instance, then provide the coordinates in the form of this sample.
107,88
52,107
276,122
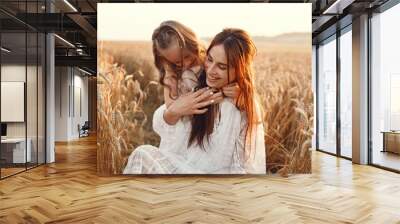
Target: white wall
13,101
13,73
80,118
67,117
62,78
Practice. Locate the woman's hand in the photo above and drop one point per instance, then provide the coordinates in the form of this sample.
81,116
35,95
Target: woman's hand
191,103
232,91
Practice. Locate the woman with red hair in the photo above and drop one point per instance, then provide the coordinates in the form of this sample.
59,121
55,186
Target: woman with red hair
228,137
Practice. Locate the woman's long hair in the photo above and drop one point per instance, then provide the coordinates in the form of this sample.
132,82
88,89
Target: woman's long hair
240,51
170,32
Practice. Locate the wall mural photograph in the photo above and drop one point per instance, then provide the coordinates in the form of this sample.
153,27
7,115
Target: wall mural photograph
204,88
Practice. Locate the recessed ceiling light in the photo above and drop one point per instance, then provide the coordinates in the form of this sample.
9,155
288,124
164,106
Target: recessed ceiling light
5,50
70,5
337,7
64,40
84,71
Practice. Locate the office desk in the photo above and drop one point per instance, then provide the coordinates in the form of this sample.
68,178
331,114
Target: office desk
391,141
13,150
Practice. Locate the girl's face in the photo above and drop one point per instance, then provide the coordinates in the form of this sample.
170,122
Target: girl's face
216,66
176,56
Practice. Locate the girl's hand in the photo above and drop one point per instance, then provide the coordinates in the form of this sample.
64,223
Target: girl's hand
191,103
232,91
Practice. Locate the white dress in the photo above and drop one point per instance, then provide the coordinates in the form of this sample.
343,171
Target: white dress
224,154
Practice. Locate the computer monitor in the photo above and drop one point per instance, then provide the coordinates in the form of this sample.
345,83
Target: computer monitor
3,129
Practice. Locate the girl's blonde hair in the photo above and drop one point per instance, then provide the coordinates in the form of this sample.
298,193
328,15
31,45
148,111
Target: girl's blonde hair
168,33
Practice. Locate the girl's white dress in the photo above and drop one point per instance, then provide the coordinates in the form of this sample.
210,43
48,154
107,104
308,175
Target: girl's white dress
224,154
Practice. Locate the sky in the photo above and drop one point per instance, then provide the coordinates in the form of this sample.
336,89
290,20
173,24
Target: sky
136,21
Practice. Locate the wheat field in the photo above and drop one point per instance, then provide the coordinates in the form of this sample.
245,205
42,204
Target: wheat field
129,93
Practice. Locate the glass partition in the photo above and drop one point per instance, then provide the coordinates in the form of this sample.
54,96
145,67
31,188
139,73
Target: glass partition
346,93
14,154
22,77
327,95
385,89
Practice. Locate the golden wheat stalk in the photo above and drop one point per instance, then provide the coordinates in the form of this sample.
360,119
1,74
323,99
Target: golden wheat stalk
128,94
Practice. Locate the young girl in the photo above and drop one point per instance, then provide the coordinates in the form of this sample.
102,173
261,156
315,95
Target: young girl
179,57
235,144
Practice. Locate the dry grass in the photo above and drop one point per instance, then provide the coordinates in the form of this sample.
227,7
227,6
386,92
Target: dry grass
128,93
284,85
124,120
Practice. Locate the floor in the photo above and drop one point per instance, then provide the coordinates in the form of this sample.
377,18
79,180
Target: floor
387,159
13,170
10,171
69,191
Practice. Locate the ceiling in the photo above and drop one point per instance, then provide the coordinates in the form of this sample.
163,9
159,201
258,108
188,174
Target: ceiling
329,16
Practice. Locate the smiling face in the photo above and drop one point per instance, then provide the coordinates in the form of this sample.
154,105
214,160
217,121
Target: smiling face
216,66
173,54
